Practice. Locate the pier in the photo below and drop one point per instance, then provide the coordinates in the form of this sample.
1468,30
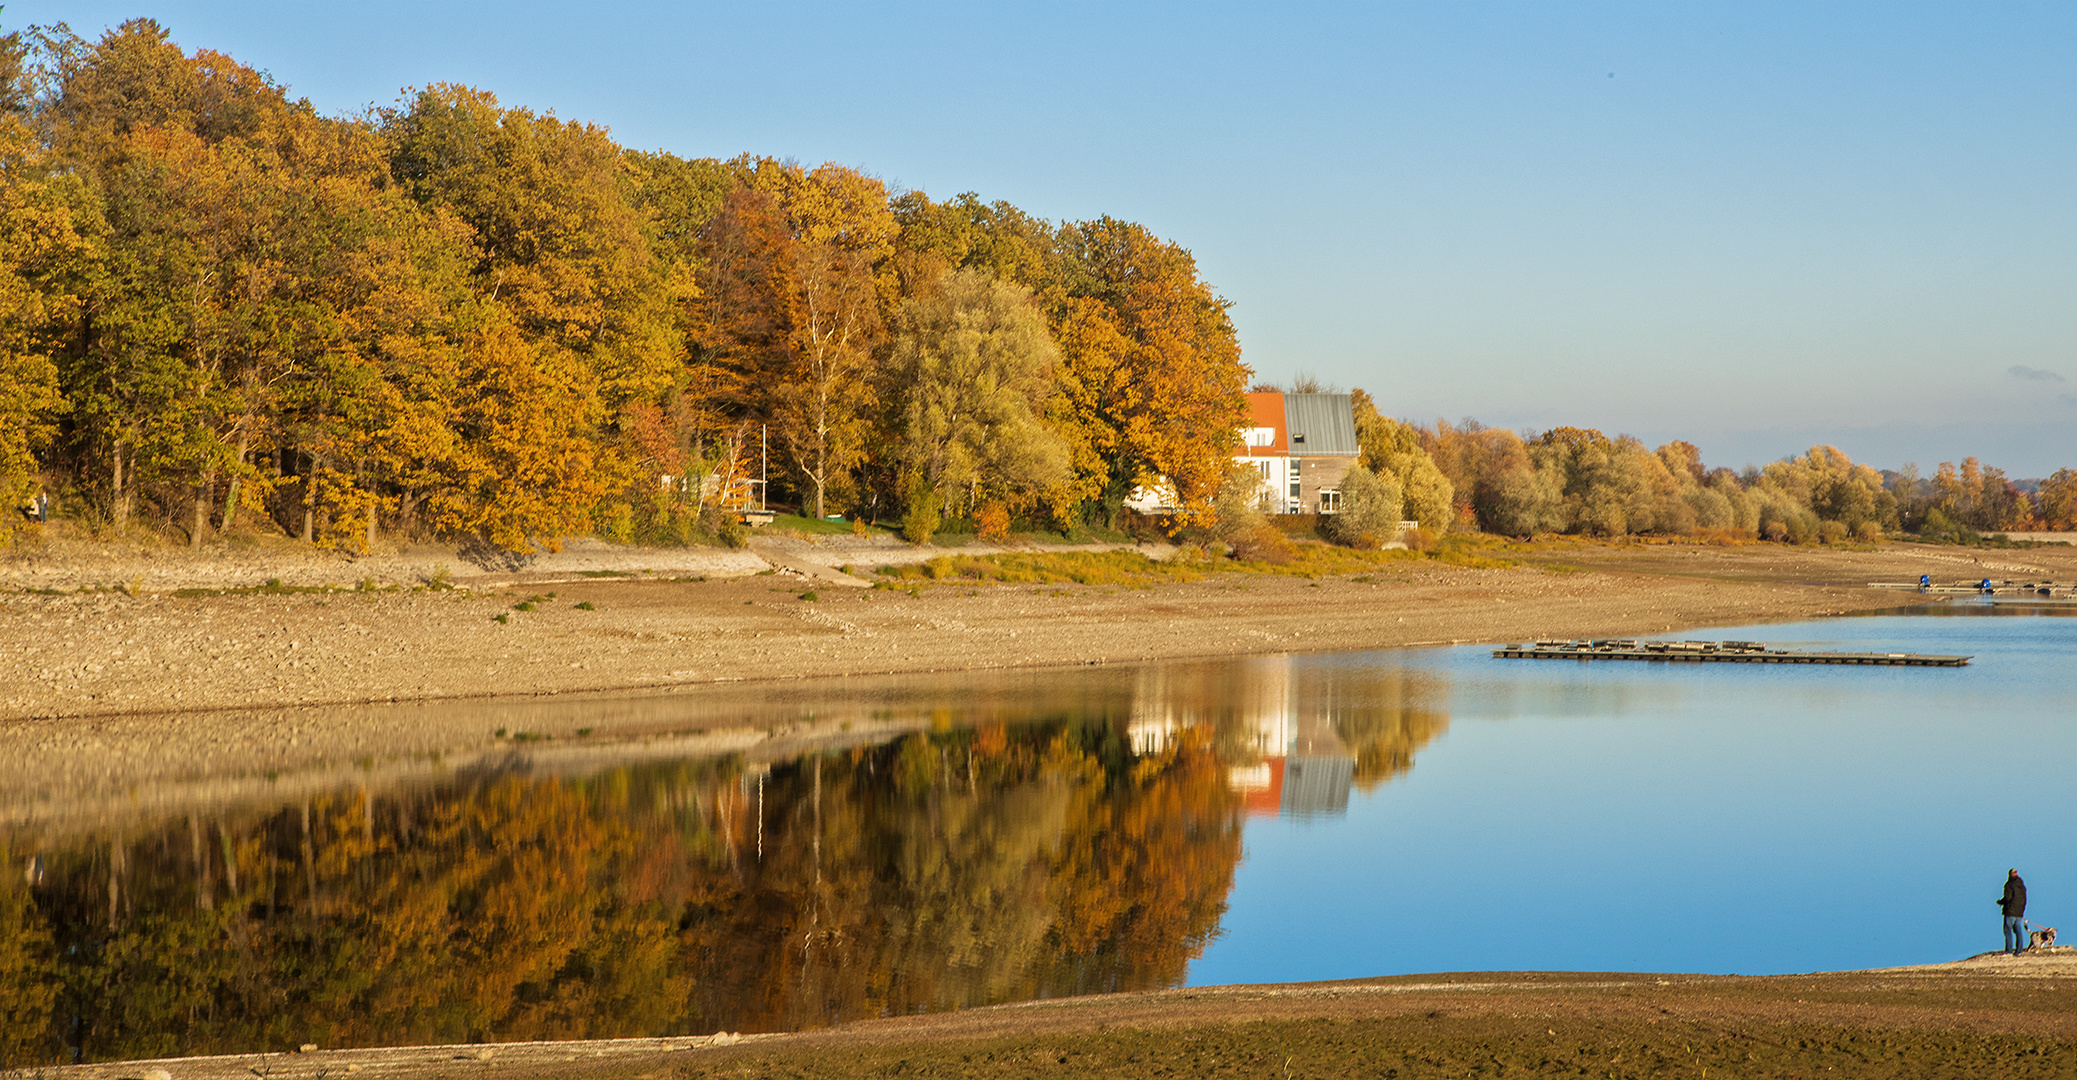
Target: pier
1710,652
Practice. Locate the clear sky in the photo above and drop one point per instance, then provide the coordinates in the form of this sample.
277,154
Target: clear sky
1752,225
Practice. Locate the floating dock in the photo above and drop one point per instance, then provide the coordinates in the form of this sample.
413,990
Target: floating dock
1710,652
1997,590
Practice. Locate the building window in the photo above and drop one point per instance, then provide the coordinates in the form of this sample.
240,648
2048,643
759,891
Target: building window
1330,501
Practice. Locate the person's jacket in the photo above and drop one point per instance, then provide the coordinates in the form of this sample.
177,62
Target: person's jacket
2015,901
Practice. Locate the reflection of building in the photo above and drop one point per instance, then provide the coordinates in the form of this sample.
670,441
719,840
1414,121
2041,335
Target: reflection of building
1316,784
1287,757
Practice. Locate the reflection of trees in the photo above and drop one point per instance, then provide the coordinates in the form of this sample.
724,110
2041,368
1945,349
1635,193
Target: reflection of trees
27,966
928,873
1392,715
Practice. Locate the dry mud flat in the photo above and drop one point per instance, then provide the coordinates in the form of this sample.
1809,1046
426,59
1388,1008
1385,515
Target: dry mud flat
1988,1017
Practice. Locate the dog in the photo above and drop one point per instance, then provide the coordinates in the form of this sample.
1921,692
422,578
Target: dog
2041,938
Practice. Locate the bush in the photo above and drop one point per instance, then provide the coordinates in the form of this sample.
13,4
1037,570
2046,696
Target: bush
1264,543
1370,510
924,516
992,524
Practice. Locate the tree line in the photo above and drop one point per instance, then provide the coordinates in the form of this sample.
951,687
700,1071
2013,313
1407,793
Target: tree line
1578,480
451,316
222,310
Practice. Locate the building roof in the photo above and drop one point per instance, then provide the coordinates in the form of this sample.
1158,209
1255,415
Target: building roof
1267,411
1320,425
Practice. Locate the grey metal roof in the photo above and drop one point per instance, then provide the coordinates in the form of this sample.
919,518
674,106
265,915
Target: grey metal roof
1321,425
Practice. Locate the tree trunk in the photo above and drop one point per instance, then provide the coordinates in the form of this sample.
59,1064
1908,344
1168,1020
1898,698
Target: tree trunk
205,498
231,496
115,482
368,545
310,502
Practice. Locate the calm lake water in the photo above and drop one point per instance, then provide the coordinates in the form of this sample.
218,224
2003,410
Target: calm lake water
1041,834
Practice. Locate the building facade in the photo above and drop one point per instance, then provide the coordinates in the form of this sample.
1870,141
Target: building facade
1301,445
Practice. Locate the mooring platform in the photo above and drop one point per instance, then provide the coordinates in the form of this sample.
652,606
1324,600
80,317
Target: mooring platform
1710,652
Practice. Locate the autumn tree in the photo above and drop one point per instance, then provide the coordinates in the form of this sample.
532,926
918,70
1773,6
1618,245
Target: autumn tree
560,247
2058,497
1152,377
820,405
41,256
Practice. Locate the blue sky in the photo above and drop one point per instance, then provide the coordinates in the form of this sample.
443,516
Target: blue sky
1753,225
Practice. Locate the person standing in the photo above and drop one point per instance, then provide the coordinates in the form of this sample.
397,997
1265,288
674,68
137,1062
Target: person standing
2014,905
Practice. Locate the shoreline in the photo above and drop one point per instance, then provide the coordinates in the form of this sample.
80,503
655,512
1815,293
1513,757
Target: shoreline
995,644
111,690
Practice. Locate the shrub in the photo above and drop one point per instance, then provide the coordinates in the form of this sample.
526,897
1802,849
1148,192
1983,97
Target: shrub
1370,509
993,523
724,525
925,514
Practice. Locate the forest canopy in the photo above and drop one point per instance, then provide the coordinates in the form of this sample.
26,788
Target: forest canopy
223,311
454,317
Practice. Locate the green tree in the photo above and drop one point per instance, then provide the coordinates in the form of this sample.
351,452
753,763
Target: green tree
1393,449
972,367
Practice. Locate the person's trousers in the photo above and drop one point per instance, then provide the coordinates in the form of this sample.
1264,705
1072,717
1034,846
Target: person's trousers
2015,934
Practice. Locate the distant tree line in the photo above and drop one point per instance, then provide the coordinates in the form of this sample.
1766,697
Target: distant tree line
454,317
1578,480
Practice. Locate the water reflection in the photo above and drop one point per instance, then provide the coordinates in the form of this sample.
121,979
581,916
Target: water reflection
1088,851
1300,731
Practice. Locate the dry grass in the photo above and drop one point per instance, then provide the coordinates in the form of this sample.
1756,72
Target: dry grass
1131,569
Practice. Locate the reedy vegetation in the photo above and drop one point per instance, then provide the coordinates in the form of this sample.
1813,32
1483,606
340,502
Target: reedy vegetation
453,318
